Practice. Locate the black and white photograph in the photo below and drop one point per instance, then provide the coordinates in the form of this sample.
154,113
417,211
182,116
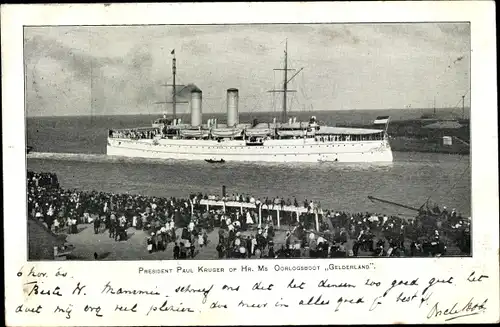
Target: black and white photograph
248,141
291,163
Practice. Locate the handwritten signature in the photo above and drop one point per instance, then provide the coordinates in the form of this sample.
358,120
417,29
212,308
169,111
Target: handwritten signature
457,310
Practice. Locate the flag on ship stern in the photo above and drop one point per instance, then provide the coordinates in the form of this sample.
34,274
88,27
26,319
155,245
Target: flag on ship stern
381,120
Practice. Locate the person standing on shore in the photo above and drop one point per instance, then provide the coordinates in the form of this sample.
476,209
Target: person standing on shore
220,250
193,251
254,245
201,241
159,236
270,253
205,237
221,236
69,223
56,225
182,252
248,244
112,225
97,224
149,242
176,251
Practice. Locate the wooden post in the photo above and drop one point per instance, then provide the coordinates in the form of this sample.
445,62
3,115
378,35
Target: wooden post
298,220
192,207
208,207
278,217
260,214
224,206
317,221
241,208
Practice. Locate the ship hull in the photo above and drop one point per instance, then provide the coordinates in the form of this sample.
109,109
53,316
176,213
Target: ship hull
296,150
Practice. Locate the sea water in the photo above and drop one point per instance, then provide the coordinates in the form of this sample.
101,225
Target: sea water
74,148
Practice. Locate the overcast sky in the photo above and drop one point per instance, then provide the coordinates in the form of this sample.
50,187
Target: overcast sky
119,70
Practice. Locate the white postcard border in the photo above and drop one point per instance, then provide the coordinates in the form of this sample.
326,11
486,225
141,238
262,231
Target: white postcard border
484,170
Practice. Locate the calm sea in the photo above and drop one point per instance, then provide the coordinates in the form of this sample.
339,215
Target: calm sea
74,148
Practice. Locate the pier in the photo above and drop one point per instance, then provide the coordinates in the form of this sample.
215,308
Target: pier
277,207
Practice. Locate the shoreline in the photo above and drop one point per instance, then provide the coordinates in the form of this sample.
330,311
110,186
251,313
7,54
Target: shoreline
413,144
428,135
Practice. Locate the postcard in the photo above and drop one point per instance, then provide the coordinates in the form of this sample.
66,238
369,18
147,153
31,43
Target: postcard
250,163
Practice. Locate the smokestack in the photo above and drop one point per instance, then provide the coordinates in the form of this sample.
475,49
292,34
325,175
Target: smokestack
196,96
232,107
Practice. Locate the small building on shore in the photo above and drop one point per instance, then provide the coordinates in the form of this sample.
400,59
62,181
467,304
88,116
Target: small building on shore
447,140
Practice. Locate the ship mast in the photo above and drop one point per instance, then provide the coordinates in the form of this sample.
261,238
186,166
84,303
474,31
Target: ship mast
91,98
91,79
174,101
286,80
463,106
174,111
284,118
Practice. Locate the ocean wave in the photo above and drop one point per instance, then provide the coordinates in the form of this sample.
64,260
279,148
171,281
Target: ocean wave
103,158
91,157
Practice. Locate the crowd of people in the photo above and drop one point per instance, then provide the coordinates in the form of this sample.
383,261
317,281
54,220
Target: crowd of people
134,134
427,234
240,235
368,235
273,202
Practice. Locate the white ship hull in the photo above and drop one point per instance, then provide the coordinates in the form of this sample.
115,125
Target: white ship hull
290,150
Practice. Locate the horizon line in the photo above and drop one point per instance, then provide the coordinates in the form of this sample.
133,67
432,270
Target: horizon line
241,112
